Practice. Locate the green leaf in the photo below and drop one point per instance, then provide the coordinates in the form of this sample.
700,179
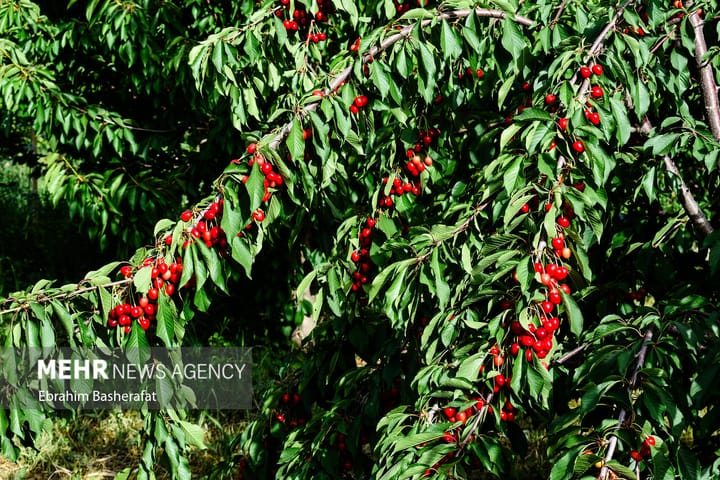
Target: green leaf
382,277
380,78
142,281
512,39
622,123
295,142
242,254
662,144
137,348
194,434
573,312
450,41
256,187
166,318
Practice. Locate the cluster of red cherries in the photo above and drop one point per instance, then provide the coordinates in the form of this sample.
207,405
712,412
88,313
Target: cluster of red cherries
301,20
207,229
165,279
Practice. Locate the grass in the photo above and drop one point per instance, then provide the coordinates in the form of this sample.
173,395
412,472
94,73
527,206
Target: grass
106,444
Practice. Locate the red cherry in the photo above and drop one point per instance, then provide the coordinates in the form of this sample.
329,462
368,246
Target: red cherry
585,72
186,216
112,322
354,109
564,222
635,455
525,208
461,417
554,297
547,306
561,273
449,412
557,243
126,329
126,271
153,294
563,123
169,289
596,91
550,99
594,118
529,355
258,215
252,148
355,257
449,437
597,69
650,441
578,146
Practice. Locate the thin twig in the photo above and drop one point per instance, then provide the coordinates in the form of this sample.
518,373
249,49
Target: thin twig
558,14
612,444
570,354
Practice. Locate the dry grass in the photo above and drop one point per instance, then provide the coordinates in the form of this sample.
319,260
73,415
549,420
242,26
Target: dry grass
102,445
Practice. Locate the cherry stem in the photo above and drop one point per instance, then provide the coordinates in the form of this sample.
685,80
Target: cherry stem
612,444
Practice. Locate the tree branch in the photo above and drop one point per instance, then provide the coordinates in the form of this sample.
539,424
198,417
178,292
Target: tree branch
688,202
387,43
63,295
612,444
707,76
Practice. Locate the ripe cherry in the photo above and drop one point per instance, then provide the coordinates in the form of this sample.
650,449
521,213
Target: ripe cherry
550,99
597,69
461,417
650,441
557,243
578,146
449,412
594,118
126,271
635,455
563,123
449,437
153,293
252,148
596,91
564,222
354,109
547,306
186,216
585,72
554,297
355,257
258,215
525,208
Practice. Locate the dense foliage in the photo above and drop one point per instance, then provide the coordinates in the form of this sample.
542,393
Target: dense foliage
480,234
